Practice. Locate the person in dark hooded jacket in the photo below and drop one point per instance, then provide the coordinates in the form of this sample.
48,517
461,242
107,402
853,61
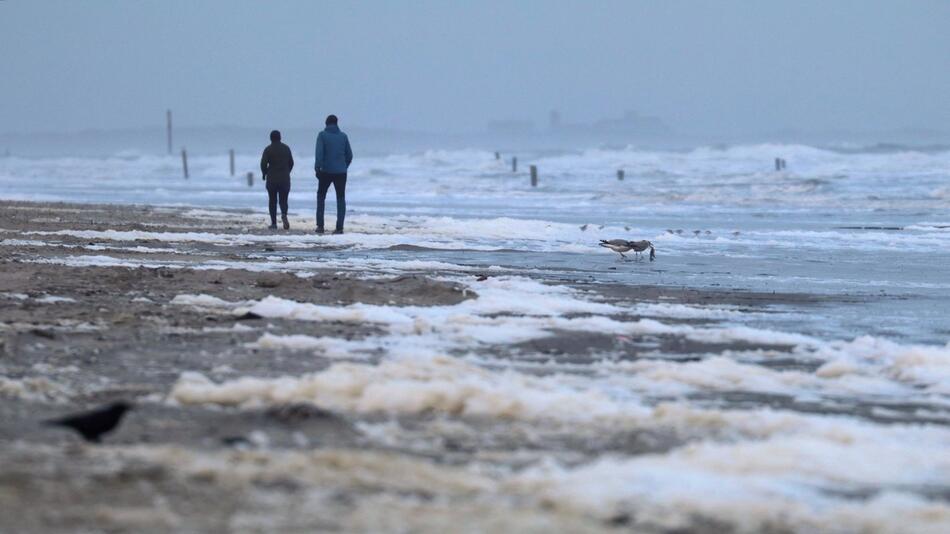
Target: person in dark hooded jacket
276,163
332,159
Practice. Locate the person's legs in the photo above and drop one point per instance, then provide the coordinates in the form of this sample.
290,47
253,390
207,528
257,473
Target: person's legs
339,187
322,188
284,192
272,202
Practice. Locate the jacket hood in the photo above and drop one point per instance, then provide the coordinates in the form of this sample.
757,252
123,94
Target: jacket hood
332,128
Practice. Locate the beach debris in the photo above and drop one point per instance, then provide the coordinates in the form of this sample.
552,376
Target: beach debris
621,245
43,332
256,439
236,441
296,412
268,281
93,424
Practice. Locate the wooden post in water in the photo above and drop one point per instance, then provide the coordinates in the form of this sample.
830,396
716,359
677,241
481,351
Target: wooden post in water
620,174
231,158
250,179
497,155
778,164
534,176
184,162
168,128
514,164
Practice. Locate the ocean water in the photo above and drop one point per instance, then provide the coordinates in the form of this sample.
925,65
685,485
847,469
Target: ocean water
851,436
832,223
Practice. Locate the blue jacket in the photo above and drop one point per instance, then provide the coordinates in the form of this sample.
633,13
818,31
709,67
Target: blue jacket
333,154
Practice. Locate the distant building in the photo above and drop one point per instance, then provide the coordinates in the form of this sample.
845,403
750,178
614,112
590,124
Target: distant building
632,123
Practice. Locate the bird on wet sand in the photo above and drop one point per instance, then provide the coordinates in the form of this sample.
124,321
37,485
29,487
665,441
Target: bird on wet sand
621,245
93,424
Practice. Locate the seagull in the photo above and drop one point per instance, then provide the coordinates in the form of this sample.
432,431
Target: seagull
93,424
621,245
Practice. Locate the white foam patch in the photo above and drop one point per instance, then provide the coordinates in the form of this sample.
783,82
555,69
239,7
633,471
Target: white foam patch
139,249
36,243
37,388
498,295
200,301
685,311
375,232
788,482
107,261
512,310
22,242
925,368
327,346
414,384
53,299
303,269
719,373
410,386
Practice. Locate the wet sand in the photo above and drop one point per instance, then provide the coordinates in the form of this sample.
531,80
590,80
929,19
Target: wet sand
75,336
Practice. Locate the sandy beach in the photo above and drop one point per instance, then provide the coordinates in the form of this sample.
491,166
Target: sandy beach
86,320
474,267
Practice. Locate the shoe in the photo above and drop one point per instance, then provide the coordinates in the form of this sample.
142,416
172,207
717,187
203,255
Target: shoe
337,231
286,222
319,230
273,226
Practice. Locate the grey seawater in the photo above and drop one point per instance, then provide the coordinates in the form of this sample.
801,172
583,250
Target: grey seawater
865,235
868,229
886,291
907,300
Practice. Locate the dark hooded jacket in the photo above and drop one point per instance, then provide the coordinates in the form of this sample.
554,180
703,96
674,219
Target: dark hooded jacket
277,162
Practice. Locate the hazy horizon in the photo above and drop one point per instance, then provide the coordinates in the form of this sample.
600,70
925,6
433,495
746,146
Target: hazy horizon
729,68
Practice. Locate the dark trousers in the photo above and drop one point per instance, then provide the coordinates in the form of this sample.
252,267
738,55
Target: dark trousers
277,189
338,181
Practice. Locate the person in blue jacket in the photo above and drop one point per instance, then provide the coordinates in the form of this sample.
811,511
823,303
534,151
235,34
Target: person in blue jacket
332,159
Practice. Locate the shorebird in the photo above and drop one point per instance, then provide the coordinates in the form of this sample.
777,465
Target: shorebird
621,245
93,424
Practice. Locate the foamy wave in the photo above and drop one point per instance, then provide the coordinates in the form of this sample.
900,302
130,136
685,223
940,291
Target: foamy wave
440,384
506,310
327,346
926,368
795,483
34,389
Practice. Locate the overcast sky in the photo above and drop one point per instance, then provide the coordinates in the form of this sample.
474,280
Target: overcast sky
720,66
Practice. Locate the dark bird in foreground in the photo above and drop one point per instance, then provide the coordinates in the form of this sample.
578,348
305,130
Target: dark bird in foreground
621,245
93,424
